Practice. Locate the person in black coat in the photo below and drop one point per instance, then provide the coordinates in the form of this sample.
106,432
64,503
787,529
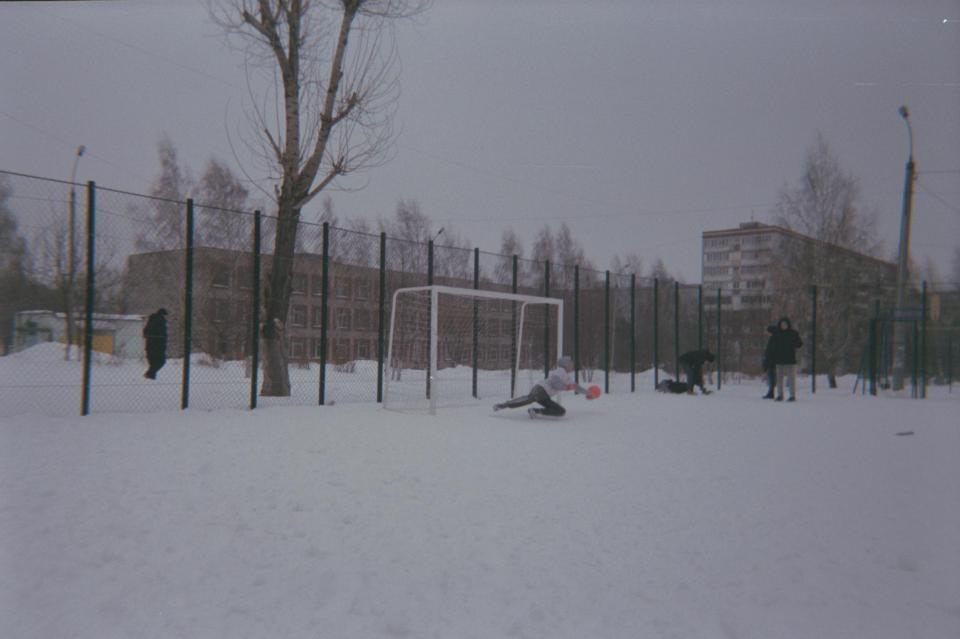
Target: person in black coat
768,366
786,341
692,363
155,336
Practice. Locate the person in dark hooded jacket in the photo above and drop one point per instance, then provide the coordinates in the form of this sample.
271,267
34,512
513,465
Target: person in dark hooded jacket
692,364
768,366
155,336
786,341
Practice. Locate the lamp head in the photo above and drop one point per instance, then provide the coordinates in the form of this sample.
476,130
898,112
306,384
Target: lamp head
904,113
80,150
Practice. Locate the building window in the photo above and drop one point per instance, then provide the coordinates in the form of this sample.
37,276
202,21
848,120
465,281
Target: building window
221,311
341,349
316,285
342,319
492,354
298,316
317,316
361,319
245,278
341,287
298,285
363,349
317,348
363,288
506,327
221,276
297,348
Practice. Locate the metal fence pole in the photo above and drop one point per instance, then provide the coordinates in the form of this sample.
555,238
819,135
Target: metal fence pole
546,321
432,312
719,349
606,334
700,317
923,341
381,310
88,311
813,340
324,312
476,318
676,329
187,309
656,336
633,332
513,333
872,356
255,330
576,322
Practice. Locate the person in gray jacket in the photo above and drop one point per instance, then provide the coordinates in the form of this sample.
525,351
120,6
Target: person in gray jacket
543,392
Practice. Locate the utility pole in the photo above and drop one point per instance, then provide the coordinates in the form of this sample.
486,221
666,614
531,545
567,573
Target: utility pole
903,266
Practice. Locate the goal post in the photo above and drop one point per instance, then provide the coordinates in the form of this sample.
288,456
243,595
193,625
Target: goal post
450,346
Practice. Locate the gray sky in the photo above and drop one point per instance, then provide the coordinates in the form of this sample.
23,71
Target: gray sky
639,124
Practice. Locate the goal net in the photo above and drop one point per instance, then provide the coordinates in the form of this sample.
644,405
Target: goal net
453,346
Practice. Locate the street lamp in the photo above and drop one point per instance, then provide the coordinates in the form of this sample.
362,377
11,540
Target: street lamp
903,265
71,250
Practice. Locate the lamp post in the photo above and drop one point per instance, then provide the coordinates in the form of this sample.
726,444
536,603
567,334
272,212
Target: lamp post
903,265
71,250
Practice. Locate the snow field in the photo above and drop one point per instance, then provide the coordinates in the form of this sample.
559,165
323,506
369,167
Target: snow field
633,516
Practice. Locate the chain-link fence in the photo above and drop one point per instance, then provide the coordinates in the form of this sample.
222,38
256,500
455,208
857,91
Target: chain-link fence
84,267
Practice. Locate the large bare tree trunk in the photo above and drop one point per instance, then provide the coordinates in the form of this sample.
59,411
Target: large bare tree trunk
276,373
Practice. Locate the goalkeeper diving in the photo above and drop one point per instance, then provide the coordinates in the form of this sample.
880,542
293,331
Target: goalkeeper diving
544,391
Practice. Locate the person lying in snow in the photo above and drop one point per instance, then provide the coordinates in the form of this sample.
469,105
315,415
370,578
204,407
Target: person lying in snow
671,386
543,392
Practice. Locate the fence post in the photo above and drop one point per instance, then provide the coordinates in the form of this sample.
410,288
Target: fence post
476,318
633,332
700,317
513,333
88,311
872,356
923,341
187,310
430,317
381,310
324,311
813,339
719,349
914,381
676,329
546,322
606,334
576,322
255,345
656,336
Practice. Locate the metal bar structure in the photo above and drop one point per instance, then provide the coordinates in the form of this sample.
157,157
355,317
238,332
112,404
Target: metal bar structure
656,336
633,332
324,312
606,333
813,340
255,314
88,310
381,309
546,322
576,323
676,329
476,320
187,309
719,349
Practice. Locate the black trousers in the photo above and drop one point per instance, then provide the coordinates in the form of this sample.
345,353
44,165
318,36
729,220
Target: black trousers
156,361
540,396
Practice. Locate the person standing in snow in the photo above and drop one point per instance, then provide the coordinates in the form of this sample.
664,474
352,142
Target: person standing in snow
155,337
692,364
768,366
543,392
786,341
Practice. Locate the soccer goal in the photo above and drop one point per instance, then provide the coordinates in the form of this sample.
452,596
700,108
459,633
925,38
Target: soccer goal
453,346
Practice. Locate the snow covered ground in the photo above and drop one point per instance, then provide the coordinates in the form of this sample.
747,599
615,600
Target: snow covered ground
639,515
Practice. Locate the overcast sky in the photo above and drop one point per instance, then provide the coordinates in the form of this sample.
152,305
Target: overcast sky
638,123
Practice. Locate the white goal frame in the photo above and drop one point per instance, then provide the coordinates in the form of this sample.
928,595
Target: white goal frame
435,292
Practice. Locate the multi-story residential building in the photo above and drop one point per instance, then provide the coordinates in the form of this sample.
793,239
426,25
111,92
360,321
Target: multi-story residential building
762,271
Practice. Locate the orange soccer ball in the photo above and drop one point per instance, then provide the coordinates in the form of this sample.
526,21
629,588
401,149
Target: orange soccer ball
593,392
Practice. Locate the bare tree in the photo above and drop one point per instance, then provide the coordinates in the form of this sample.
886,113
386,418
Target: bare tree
336,89
824,205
